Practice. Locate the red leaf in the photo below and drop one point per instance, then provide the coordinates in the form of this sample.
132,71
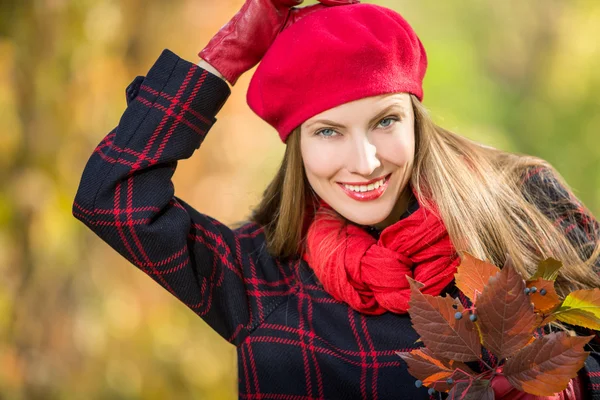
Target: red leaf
506,317
473,274
475,390
433,372
545,367
433,319
548,301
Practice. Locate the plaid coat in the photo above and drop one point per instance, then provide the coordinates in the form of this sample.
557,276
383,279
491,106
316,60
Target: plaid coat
294,341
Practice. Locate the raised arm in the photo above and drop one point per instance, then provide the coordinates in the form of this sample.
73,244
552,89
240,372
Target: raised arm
126,196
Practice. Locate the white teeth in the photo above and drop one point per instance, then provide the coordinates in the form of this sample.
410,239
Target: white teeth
365,188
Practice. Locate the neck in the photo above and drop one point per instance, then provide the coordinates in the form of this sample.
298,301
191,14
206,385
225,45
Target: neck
399,208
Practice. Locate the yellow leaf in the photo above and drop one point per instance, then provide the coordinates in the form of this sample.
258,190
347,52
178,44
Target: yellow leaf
581,307
547,269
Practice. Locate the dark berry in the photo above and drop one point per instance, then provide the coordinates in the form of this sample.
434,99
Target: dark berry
473,317
458,315
527,290
543,292
533,289
449,381
431,391
418,383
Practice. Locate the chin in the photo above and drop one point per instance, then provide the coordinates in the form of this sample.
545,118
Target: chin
362,219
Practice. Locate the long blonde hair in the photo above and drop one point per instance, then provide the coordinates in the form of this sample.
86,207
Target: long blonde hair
479,193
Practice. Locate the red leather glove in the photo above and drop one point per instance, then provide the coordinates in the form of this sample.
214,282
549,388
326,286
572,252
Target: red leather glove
241,43
504,390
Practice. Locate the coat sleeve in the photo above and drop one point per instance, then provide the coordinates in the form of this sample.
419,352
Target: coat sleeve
544,190
126,197
583,230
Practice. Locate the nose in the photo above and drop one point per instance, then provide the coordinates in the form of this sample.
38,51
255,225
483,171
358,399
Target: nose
363,159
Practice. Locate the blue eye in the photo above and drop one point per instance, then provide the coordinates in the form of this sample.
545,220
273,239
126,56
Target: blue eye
325,130
383,123
390,119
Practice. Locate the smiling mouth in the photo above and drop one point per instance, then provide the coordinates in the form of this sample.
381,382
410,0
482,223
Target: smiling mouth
365,186
368,192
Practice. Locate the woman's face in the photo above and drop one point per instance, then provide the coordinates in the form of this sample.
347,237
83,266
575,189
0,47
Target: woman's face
363,141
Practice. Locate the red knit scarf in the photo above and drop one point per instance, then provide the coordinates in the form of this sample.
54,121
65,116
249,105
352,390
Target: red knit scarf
369,274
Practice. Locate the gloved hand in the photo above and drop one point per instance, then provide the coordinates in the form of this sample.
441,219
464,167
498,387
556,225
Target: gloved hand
504,390
241,43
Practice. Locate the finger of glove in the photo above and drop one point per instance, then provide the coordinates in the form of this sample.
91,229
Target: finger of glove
501,386
241,43
299,13
338,2
504,390
286,3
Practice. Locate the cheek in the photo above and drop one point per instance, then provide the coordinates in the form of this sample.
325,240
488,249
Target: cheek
319,163
399,148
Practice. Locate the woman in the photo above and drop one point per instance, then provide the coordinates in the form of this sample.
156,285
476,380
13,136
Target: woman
312,290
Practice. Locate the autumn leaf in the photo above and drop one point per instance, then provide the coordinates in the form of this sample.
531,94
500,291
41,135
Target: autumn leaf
506,318
475,390
581,307
545,367
547,319
547,301
433,317
547,269
432,371
473,274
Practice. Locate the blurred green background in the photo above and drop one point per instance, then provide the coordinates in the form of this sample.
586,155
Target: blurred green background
76,320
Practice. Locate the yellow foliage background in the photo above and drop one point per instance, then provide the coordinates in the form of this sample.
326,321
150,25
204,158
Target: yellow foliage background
78,321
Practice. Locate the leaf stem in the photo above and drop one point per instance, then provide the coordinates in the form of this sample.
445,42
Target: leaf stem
486,364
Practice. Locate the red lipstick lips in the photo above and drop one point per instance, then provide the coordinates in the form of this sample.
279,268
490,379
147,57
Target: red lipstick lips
369,194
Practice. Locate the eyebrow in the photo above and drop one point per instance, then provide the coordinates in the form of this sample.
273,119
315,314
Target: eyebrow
381,114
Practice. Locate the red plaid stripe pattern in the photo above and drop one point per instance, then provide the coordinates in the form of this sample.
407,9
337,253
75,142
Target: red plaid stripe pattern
294,341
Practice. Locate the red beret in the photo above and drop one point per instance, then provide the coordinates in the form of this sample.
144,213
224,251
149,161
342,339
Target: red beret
333,56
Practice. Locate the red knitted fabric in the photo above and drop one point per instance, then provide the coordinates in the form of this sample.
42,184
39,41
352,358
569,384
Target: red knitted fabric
369,274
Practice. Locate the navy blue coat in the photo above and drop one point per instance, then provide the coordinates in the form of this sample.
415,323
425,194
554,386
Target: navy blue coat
294,341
